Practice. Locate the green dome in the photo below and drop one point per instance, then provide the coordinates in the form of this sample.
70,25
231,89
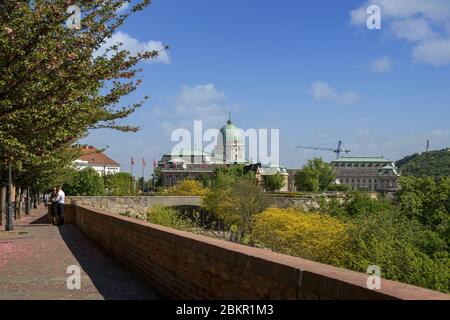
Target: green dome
231,133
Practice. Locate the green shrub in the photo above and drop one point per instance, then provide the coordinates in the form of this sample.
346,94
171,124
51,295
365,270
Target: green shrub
397,245
273,182
125,214
168,217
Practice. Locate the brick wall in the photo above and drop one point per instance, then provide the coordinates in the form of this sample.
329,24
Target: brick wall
189,266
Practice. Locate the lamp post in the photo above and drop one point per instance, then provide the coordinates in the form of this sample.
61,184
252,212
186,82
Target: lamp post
9,207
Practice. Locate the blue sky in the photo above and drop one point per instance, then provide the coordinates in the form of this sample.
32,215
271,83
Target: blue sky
311,69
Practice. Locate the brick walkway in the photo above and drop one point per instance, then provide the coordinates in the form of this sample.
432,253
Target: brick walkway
35,256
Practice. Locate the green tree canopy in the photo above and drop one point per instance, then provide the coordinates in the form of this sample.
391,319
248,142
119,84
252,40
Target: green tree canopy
86,182
119,184
273,182
56,83
432,163
315,176
427,199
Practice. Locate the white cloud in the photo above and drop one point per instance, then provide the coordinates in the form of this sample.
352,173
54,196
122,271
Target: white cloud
203,102
382,65
413,30
434,10
323,91
123,7
200,99
425,24
134,46
434,52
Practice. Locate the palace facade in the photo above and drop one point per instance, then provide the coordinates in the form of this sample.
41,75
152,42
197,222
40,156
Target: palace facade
177,165
375,174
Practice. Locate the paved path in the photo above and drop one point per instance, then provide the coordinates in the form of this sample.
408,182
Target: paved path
35,256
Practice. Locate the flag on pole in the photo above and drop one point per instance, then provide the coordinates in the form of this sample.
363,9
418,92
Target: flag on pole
132,161
154,163
143,162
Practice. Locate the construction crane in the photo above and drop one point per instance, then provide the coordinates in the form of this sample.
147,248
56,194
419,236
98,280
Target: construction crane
339,150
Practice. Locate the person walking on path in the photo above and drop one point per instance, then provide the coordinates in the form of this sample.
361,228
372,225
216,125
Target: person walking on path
60,200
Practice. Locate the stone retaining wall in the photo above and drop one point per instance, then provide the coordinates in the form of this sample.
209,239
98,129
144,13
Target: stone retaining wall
135,205
140,205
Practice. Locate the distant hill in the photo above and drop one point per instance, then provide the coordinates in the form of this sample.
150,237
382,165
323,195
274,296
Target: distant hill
432,163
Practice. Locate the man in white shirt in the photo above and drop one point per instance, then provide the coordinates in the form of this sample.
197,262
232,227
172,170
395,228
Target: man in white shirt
60,199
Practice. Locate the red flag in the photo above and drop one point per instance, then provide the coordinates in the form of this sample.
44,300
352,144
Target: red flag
143,162
132,161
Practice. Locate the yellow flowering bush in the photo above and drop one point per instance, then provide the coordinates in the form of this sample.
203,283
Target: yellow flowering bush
188,188
306,235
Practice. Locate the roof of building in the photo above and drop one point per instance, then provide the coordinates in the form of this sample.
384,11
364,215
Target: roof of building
187,153
231,133
93,157
363,159
268,171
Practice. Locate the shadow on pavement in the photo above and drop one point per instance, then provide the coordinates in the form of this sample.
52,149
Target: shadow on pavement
113,280
41,220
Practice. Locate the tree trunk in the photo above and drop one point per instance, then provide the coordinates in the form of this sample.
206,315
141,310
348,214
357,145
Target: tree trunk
18,203
2,204
35,199
27,201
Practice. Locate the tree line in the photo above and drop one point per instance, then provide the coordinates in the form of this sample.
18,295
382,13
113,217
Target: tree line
57,83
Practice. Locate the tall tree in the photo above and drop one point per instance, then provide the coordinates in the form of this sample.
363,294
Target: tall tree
237,204
86,182
316,175
56,82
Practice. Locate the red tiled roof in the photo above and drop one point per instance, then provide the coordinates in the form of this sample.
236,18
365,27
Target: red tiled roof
92,156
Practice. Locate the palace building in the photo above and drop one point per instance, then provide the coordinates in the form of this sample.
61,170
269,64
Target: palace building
176,166
375,174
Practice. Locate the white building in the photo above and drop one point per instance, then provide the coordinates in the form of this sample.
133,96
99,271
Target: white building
230,144
100,162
